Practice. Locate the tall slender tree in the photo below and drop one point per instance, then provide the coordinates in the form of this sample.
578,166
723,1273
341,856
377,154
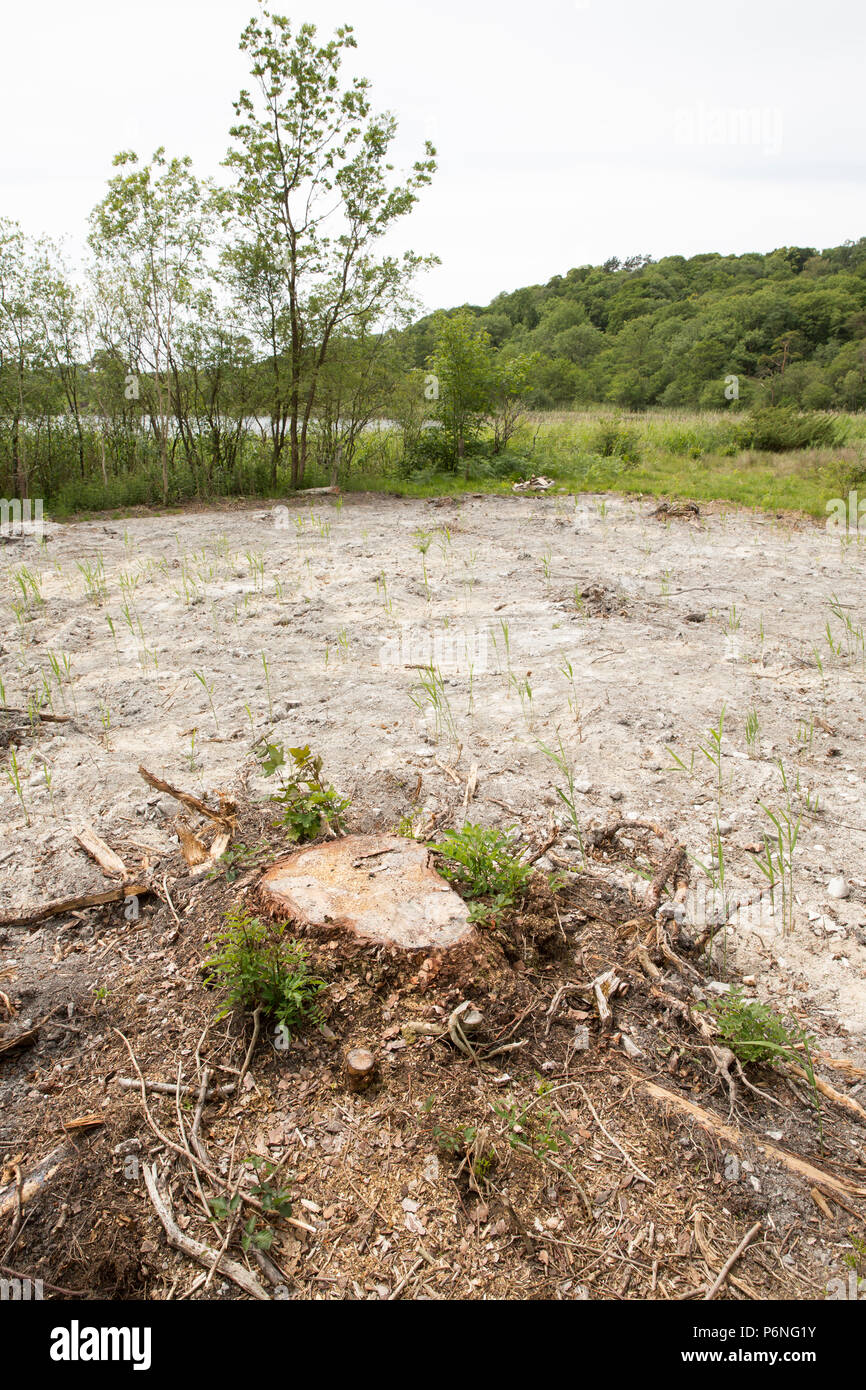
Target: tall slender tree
312,200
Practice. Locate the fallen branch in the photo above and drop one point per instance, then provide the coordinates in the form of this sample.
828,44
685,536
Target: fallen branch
710,1122
33,1181
846,1102
731,1261
37,714
196,1249
471,785
168,1088
666,869
58,906
191,802
25,1039
92,844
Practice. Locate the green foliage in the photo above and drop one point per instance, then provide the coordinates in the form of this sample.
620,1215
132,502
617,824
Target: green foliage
276,1200
468,1143
753,1031
611,439
481,863
234,860
261,967
309,805
462,365
782,428
534,1128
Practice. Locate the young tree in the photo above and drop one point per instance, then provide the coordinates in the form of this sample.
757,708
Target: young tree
22,342
462,363
312,200
149,237
511,378
60,314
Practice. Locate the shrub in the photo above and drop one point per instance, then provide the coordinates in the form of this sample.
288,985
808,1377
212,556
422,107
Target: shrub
432,448
752,1031
262,968
781,428
307,801
612,439
482,863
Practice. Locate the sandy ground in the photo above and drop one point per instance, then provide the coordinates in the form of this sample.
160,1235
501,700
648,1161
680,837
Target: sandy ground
663,622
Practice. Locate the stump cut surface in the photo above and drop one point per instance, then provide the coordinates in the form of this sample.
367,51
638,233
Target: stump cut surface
380,887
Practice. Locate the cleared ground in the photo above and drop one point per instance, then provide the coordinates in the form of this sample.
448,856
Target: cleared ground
179,641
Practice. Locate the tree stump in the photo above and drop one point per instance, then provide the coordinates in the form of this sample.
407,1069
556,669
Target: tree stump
379,889
360,1068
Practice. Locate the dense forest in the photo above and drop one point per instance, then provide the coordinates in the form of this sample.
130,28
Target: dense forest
790,325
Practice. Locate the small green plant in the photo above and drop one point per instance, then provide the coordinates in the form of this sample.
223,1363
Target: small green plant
421,540
192,758
309,805
261,967
533,1128
235,859
482,863
208,688
468,1143
524,691
430,697
94,579
755,1033
268,686
382,587
407,825
275,1200
753,733
777,866
13,775
712,751
567,794
855,1258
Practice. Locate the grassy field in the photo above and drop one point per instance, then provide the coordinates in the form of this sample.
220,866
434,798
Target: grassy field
663,453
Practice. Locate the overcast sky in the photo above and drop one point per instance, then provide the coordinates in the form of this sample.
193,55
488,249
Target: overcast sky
567,130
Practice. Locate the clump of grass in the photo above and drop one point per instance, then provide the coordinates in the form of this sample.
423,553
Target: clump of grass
13,776
430,697
208,687
567,794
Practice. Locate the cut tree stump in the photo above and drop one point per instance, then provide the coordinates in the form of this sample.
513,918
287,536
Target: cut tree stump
379,889
360,1068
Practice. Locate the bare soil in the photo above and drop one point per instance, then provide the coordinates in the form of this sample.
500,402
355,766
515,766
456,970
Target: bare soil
597,1189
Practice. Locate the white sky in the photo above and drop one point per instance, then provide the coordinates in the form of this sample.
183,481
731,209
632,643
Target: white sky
567,130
